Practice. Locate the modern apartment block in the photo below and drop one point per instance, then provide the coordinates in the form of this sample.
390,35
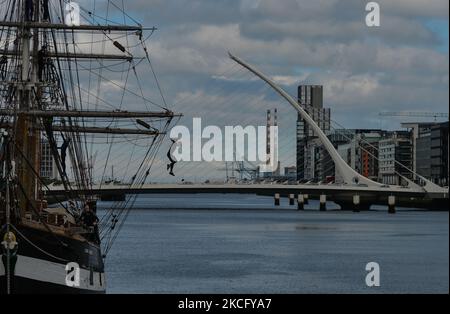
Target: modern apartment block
439,153
318,164
430,150
395,157
360,151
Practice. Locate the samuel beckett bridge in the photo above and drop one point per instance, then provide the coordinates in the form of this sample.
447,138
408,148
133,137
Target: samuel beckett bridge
355,192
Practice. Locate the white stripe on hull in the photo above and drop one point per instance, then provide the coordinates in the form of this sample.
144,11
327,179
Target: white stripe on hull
46,271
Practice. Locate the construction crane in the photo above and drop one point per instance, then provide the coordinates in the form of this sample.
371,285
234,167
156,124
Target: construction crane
245,169
422,114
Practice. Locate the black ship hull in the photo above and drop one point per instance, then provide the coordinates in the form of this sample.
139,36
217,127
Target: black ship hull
44,264
29,286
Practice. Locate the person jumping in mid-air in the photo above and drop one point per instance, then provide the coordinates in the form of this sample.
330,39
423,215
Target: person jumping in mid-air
171,159
63,148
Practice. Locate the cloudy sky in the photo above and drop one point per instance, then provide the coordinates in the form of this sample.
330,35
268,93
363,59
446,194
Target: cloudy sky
400,66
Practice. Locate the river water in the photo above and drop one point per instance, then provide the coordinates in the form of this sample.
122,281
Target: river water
243,244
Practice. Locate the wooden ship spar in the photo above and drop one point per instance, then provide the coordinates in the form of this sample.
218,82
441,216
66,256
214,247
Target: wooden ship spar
48,111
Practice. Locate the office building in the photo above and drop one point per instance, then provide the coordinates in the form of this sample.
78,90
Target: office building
395,157
421,140
430,150
360,151
439,153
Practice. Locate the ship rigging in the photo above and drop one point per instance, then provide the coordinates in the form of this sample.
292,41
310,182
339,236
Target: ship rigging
52,99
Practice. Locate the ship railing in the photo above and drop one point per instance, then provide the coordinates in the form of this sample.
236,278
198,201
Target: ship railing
56,220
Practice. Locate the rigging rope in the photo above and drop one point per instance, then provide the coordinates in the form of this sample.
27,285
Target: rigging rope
37,247
62,86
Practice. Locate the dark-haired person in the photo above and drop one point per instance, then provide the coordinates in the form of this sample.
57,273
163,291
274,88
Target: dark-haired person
90,220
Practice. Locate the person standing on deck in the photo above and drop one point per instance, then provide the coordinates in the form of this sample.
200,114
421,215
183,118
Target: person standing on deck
90,220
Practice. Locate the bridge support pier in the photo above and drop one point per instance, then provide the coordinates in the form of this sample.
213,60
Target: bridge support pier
306,198
391,204
277,199
323,202
300,202
356,203
291,199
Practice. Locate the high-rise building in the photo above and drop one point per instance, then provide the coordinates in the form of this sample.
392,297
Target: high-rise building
318,163
422,155
369,160
421,140
430,150
395,157
311,155
360,151
439,153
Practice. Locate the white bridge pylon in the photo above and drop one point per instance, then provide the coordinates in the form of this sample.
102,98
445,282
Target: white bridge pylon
349,175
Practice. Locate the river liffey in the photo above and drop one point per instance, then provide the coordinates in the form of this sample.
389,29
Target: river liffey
243,244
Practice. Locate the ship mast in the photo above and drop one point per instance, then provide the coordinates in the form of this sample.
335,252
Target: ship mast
30,114
27,137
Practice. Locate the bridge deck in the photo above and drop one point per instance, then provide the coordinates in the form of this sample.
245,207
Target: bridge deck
250,189
340,194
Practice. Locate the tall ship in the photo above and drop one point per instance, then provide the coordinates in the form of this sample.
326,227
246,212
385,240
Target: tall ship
70,94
